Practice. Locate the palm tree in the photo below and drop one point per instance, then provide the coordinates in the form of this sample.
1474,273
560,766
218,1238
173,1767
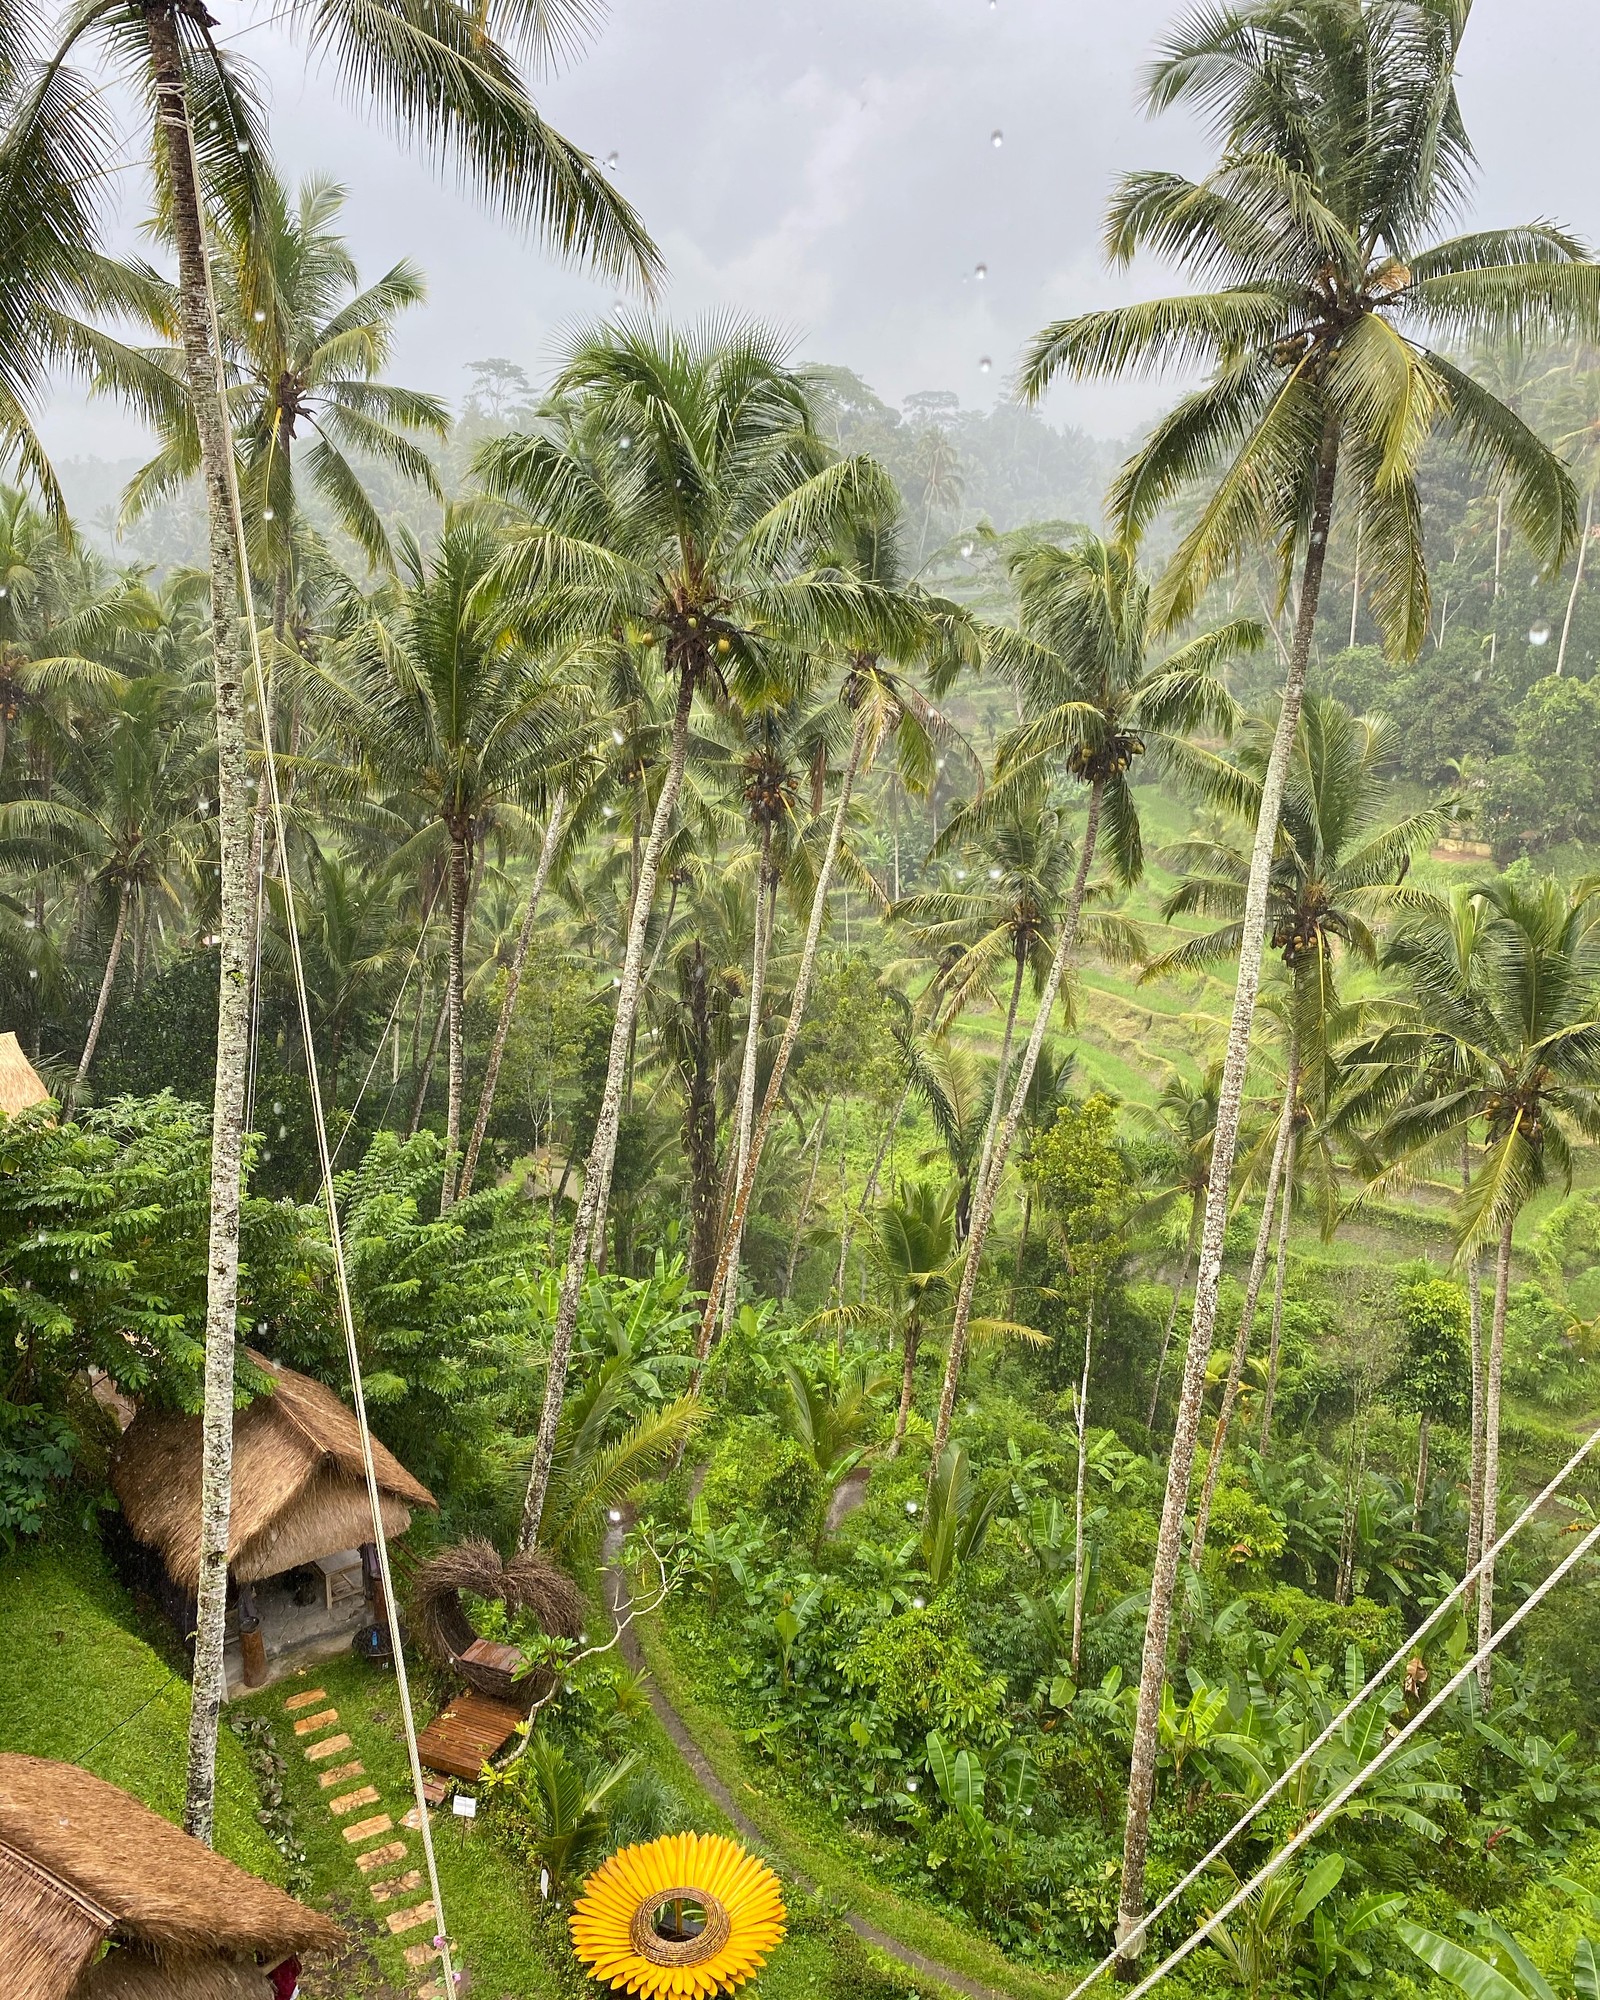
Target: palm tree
55,610
438,699
1185,1115
1336,868
1342,145
678,494
1020,866
126,819
449,83
1514,1052
1081,662
303,347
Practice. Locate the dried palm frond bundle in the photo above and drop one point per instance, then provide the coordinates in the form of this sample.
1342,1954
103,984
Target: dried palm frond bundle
529,1585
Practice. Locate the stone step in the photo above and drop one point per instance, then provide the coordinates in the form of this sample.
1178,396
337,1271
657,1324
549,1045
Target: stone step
408,1920
421,1954
330,1746
396,1885
380,1857
308,1725
434,1990
298,1701
364,1795
341,1772
365,1829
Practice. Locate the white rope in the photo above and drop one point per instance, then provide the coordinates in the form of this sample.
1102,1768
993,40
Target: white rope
394,1014
325,1159
1321,1819
1363,1694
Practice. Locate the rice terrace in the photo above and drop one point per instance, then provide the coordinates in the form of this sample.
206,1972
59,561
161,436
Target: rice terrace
799,1000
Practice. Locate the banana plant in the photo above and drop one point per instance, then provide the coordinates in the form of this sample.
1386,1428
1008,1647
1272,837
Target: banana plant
1502,1970
961,1510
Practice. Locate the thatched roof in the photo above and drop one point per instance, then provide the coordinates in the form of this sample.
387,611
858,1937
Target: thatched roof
82,1861
299,1490
20,1083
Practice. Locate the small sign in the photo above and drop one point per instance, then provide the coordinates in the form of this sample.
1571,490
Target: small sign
464,1807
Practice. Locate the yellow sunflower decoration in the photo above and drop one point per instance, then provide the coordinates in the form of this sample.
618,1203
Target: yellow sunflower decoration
684,1918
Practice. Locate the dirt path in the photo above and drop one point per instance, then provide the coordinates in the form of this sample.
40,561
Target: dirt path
618,1598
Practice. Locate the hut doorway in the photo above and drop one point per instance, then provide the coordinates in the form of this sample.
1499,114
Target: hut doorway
280,1623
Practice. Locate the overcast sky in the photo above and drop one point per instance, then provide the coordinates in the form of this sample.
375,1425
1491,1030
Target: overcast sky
831,166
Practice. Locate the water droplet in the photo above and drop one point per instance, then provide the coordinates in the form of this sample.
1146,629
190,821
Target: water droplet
277,1107
259,317
985,365
32,974
966,551
626,443
911,1784
911,1506
981,272
72,1274
919,1604
997,138
994,874
267,514
244,146
611,162
3,591
617,737
1539,635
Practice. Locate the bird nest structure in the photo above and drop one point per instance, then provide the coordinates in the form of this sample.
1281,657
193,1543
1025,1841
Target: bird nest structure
688,1917
529,1583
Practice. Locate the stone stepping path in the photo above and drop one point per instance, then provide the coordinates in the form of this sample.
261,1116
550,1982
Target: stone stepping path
377,1852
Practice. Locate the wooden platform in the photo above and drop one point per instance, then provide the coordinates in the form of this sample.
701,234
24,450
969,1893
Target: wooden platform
462,1738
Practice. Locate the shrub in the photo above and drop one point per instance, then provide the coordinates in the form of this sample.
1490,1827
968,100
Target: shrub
921,1674
755,1471
1328,1629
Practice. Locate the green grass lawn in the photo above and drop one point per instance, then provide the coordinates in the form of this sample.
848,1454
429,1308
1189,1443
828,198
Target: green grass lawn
81,1681
510,1942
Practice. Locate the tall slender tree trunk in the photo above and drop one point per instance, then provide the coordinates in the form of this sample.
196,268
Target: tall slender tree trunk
1355,587
1078,1496
791,1033
870,1188
999,1097
425,1074
766,917
1475,1325
124,897
203,370
1488,1534
1275,1338
908,1381
1172,1317
700,1127
508,1004
1577,583
1499,532
803,1216
988,1191
1247,1314
1420,1491
1180,1463
590,1218
455,1004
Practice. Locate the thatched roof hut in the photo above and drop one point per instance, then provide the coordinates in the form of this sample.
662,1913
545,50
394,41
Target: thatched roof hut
299,1488
20,1083
84,1864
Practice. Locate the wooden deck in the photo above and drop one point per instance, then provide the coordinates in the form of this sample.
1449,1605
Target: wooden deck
462,1738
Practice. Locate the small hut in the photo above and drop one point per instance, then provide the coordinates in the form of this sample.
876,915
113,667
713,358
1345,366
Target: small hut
21,1086
84,1866
300,1548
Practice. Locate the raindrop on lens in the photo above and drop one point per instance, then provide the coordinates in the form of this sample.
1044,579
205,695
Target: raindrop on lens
616,736
266,514
259,317
611,162
911,1784
919,1604
614,1516
911,1506
997,138
72,1274
1539,635
985,365
994,874
981,273
966,551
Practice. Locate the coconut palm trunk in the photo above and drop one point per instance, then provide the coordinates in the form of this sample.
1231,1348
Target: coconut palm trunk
603,1148
124,897
911,1340
430,1057
819,1133
1281,1163
1178,1290
203,368
1275,1337
1078,1496
987,1192
455,999
1489,1532
1577,583
766,917
1420,1491
891,1126
791,1034
1180,1463
993,1126
508,1005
